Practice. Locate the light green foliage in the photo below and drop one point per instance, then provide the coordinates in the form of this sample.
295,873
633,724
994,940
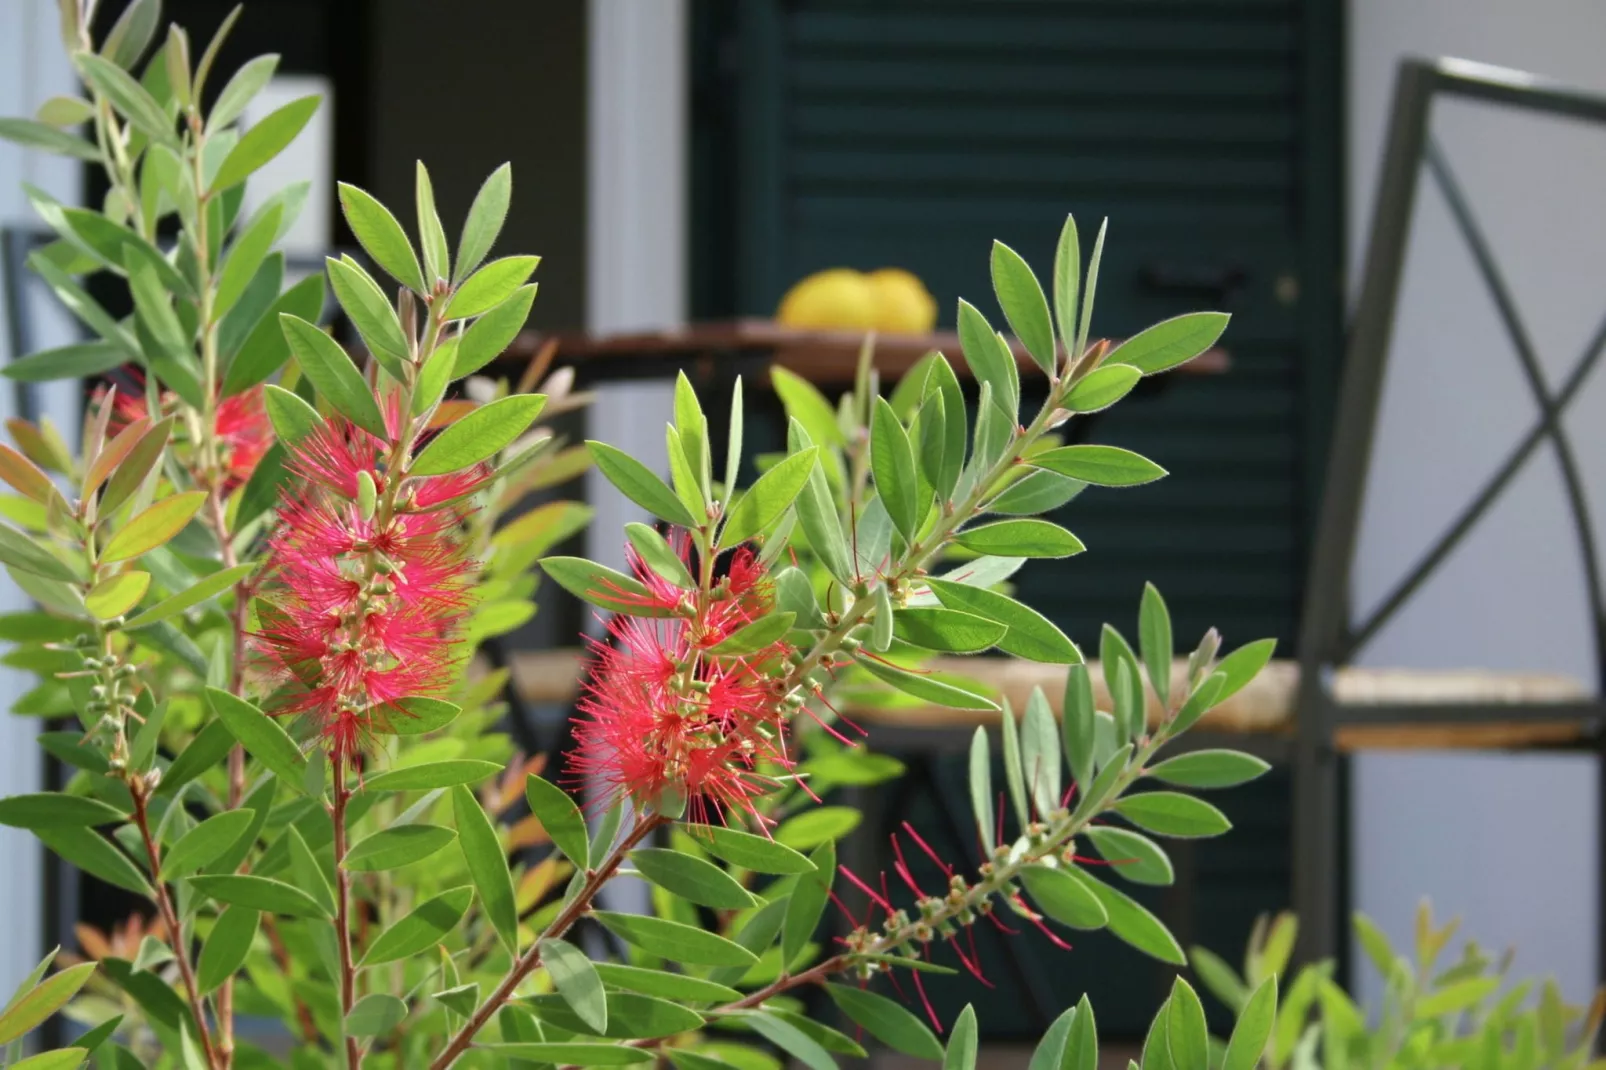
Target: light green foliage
1472,1012
418,910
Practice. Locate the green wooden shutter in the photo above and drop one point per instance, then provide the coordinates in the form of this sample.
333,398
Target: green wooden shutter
913,132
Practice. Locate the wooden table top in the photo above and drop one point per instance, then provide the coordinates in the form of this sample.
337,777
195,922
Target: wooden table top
819,356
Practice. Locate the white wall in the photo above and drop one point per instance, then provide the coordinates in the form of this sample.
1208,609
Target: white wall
1509,842
32,69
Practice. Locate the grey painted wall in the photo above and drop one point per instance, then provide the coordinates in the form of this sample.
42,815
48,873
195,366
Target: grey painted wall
1506,841
32,69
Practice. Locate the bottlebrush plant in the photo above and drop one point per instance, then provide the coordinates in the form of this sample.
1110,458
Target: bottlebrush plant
263,579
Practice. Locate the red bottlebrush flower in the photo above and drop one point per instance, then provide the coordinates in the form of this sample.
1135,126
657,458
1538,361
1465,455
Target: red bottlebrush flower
359,611
663,718
241,422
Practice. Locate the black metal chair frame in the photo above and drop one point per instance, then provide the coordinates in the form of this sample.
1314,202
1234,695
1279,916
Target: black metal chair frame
1328,637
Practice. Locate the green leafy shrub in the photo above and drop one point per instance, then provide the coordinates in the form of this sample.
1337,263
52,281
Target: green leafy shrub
1469,1012
263,579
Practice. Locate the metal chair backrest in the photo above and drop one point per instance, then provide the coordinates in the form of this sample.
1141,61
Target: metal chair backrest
1332,633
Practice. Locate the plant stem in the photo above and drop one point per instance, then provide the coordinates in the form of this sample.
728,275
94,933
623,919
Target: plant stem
348,974
175,934
998,880
531,958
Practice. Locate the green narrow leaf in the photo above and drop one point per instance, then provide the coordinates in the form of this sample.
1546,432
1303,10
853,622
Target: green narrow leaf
769,496
691,878
478,436
431,235
821,824
1170,342
1067,284
1091,288
887,1021
292,418
790,1039
239,91
374,1015
487,865
577,981
570,1053
638,483
1154,639
601,586
484,221
949,630
992,364
308,874
1170,813
421,929
981,787
817,515
675,941
130,98
382,236
53,809
331,371
79,361
1242,665
927,687
1209,769
493,332
450,773
881,622
1082,1039
42,1000
1026,537
266,138
1186,1037
1040,754
212,585
1031,635
1101,388
1200,701
1249,1036
397,846
370,311
665,985
202,845
262,737
1134,924
35,135
1063,898
490,286
245,258
21,552
153,527
758,853
962,1042
733,442
265,349
1131,856
804,403
1024,305
1014,775
1076,726
807,903
892,460
1102,466
1051,1049
258,893
561,819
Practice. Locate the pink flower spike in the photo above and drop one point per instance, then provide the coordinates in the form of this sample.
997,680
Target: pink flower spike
866,889
947,870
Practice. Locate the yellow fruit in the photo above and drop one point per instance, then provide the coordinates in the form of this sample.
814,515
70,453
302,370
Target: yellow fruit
837,299
903,305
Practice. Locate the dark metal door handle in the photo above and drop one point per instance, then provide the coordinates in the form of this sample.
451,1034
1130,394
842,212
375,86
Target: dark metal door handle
1215,284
